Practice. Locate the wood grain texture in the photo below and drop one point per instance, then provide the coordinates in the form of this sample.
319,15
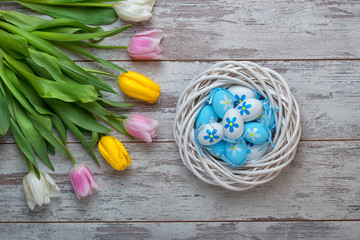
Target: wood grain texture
313,44
185,231
249,29
321,183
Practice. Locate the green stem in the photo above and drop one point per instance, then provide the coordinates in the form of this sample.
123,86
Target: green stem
29,164
99,72
76,4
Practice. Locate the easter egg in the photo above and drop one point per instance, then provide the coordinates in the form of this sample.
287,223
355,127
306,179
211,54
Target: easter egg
267,117
206,115
250,109
256,151
255,133
241,93
236,153
209,134
222,101
233,124
217,150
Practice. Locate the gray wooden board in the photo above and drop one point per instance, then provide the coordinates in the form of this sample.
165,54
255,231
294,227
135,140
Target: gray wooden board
327,92
248,29
321,183
187,230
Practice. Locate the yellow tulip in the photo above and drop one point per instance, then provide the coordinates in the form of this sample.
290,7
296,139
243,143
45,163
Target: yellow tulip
114,152
138,86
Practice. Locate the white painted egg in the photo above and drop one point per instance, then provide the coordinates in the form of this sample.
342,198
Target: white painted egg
222,101
255,133
209,134
250,109
233,124
206,115
217,150
236,153
256,151
241,93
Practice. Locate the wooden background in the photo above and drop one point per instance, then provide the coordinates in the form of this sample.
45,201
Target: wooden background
314,44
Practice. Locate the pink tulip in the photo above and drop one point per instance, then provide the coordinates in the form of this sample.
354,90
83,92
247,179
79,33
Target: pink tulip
141,127
146,45
82,181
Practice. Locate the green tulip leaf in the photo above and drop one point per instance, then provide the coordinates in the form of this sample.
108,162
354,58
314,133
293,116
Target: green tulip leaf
98,15
4,115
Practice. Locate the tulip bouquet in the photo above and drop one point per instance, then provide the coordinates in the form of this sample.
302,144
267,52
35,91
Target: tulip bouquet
42,91
101,11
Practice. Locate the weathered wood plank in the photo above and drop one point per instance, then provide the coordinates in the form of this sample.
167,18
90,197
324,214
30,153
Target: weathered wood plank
321,183
327,93
249,29
197,230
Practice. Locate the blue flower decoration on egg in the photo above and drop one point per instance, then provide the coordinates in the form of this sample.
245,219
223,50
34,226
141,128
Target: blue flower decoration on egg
211,135
231,124
244,108
240,99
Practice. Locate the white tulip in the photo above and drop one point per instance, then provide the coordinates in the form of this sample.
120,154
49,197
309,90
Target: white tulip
38,192
134,10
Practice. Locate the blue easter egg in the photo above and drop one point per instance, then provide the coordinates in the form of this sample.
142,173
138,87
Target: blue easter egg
250,109
209,134
241,93
255,133
233,124
206,115
236,153
267,117
256,151
222,101
217,150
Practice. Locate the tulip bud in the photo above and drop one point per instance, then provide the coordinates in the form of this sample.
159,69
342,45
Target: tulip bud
82,181
141,127
138,86
114,152
39,191
134,10
146,45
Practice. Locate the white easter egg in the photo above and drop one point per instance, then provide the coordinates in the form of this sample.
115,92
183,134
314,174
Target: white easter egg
233,124
256,151
209,134
241,93
222,101
250,109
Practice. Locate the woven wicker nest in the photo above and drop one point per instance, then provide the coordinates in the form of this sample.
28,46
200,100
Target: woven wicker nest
285,139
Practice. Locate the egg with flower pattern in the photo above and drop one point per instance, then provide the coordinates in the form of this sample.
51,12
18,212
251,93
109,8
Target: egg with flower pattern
206,115
233,124
256,151
222,100
236,153
256,133
217,150
250,109
209,134
241,93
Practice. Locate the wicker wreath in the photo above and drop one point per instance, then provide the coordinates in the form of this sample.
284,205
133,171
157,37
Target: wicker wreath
267,83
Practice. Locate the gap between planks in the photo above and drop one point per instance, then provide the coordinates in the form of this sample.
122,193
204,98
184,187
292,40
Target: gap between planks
220,60
192,221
